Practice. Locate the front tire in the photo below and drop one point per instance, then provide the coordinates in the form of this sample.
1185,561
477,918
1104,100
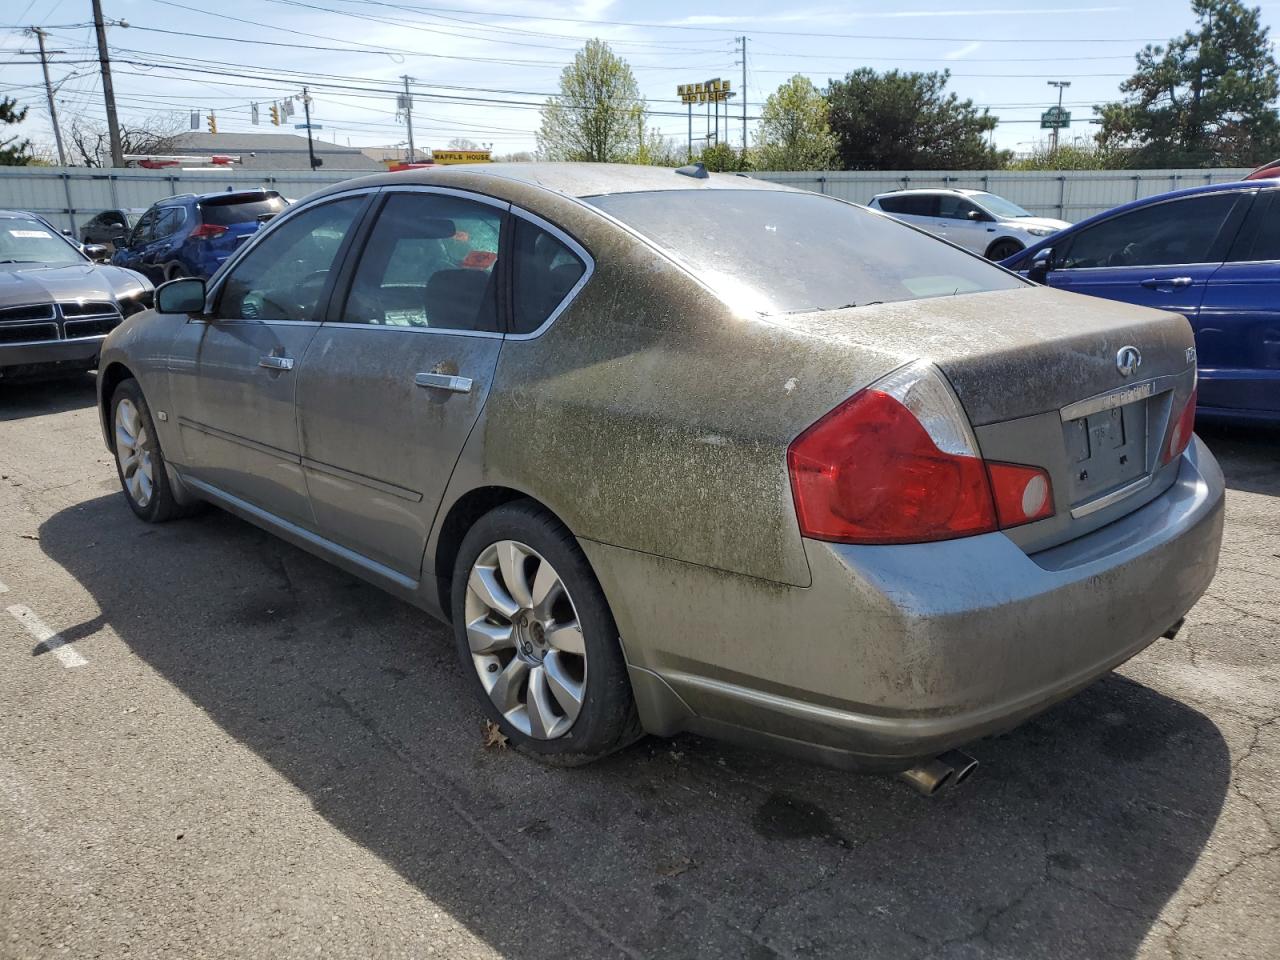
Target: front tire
537,641
139,460
1003,249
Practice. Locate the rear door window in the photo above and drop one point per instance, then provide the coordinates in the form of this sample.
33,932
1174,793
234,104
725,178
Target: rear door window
783,251
1175,232
1260,236
430,261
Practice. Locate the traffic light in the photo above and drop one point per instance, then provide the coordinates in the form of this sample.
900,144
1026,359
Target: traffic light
275,114
213,123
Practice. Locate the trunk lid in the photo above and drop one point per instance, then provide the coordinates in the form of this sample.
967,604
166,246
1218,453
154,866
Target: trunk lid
1037,373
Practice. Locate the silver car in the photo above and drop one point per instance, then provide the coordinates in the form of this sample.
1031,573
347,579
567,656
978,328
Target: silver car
673,451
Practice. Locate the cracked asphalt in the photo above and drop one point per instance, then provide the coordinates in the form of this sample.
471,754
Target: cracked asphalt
265,757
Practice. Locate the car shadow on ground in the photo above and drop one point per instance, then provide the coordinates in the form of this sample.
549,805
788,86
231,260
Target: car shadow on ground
1249,455
20,399
1067,842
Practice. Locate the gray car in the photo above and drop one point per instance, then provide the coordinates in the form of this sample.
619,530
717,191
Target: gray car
674,451
56,303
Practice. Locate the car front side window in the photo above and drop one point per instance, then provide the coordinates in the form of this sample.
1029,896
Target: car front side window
430,261
144,232
284,276
1175,232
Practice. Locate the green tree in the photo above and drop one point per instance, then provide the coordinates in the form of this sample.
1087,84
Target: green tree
794,133
598,114
722,158
1084,156
1207,99
908,121
13,152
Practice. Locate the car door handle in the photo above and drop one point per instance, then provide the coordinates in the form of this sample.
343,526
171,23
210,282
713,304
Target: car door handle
443,381
276,363
1156,282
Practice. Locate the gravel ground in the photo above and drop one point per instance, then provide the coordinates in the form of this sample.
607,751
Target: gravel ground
261,756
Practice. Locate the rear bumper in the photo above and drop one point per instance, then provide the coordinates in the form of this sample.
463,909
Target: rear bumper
897,653
80,351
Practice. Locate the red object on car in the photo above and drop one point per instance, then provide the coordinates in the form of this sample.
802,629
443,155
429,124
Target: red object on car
1267,171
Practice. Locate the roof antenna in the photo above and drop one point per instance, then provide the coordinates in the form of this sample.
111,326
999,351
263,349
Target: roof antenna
696,170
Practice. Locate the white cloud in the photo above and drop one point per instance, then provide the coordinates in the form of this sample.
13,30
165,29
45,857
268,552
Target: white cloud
961,52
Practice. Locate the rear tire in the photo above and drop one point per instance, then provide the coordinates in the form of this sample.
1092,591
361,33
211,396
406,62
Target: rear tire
1003,249
139,461
537,641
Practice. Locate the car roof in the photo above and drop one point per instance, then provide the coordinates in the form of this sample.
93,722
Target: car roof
568,179
14,214
962,191
216,195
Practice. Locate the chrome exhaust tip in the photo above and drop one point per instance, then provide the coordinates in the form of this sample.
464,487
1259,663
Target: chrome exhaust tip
948,769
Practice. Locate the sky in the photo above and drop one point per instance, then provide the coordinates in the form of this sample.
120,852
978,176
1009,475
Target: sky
479,68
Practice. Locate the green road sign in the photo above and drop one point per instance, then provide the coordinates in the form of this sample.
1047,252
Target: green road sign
1055,118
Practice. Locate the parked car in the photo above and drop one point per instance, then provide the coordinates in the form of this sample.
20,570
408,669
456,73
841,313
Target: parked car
982,222
1209,253
687,452
193,234
109,226
56,304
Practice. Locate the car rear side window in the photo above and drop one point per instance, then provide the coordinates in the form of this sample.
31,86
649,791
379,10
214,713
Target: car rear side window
224,213
1259,238
1174,232
545,271
782,251
911,204
430,261
283,276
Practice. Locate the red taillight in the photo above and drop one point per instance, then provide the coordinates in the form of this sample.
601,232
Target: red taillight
868,472
1021,493
1183,427
207,231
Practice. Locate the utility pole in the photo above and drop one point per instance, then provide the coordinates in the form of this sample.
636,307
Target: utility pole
306,111
48,89
1061,85
743,94
108,92
408,118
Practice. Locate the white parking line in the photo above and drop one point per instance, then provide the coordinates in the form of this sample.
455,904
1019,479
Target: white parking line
46,637
3,588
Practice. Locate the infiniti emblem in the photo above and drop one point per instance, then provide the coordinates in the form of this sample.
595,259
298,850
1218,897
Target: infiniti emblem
1128,360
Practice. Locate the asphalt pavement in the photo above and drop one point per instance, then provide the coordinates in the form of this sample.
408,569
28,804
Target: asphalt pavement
215,745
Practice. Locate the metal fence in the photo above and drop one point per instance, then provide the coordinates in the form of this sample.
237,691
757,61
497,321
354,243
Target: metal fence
1062,194
70,196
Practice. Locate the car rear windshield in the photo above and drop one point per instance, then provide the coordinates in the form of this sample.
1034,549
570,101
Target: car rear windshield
780,251
224,213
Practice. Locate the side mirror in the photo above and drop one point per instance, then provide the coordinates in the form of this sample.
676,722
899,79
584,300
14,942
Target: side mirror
117,236
1041,263
97,252
184,295
977,215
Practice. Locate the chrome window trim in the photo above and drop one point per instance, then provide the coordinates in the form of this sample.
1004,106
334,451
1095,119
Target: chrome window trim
576,249
220,277
396,328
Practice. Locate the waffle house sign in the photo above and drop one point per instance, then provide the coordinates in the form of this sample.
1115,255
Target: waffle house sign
460,156
712,91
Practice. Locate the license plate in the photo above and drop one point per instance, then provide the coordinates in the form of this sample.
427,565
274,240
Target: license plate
1106,449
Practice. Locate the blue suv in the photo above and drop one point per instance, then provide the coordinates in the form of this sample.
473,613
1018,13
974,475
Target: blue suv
191,235
1210,253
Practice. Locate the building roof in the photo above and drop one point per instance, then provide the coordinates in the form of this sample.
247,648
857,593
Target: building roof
275,151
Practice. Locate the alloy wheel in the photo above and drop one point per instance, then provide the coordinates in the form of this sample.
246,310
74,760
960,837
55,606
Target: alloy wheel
525,638
136,465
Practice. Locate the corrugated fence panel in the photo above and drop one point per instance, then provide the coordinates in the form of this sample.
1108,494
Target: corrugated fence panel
70,197
1066,195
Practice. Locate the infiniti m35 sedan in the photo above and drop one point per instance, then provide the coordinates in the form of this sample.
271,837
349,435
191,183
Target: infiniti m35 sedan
677,451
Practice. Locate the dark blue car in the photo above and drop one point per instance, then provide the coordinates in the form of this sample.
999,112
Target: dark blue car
1211,253
191,235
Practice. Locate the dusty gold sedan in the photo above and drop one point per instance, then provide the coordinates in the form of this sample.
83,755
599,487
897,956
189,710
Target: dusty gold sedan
674,451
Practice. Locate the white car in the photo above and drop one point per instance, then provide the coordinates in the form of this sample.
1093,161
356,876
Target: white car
982,222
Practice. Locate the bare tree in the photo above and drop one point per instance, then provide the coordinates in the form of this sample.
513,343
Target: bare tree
462,143
91,144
